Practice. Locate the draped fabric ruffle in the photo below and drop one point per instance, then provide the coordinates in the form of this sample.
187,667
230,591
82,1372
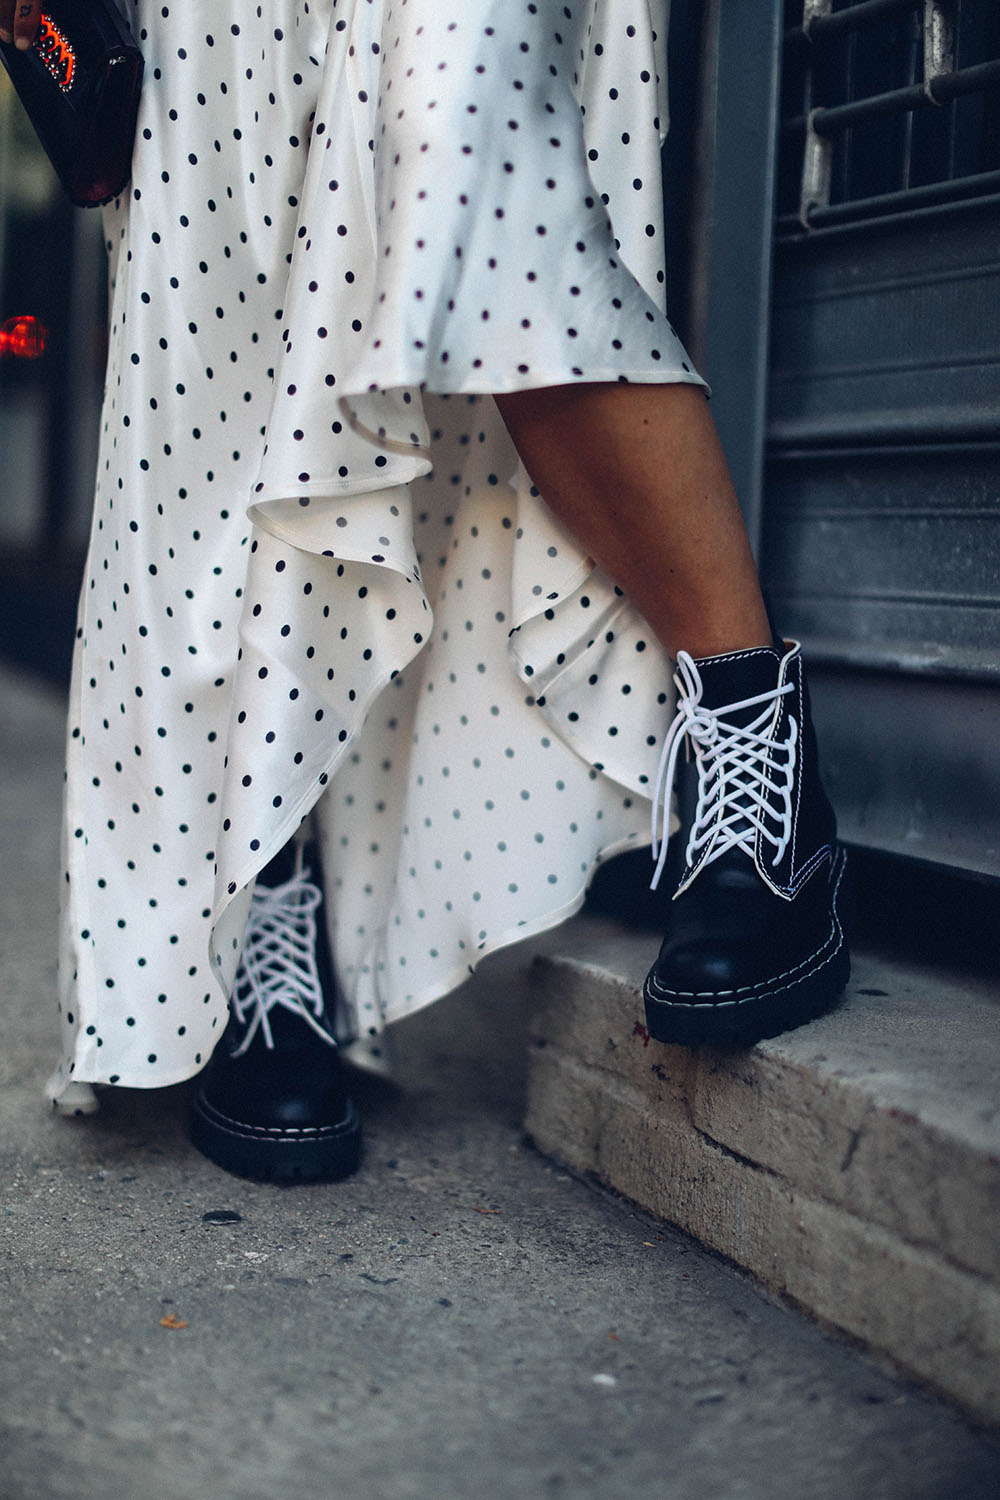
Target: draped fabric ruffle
318,578
423,244
575,719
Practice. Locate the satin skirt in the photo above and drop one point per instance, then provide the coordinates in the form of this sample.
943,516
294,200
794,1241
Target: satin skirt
320,583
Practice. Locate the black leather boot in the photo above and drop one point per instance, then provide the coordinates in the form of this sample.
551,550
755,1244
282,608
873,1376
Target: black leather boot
272,1104
756,942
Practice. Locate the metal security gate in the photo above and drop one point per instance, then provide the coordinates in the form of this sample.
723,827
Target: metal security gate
879,512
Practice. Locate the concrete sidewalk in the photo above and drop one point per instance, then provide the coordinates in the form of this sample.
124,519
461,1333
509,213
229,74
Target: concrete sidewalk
462,1317
852,1165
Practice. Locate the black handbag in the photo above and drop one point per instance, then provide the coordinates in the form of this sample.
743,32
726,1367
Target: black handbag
79,82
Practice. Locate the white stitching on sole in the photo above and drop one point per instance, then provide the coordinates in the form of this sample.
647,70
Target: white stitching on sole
757,991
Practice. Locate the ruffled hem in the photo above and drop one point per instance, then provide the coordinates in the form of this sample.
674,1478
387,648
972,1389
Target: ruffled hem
386,484
334,500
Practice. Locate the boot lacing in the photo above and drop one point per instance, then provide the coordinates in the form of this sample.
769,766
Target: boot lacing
278,965
745,777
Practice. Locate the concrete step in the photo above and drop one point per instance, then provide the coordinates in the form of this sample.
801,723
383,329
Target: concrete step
853,1166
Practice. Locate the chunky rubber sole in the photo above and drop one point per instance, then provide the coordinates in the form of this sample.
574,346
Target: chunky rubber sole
741,1017
281,1155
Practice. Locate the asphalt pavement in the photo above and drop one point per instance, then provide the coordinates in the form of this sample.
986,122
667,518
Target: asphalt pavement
461,1319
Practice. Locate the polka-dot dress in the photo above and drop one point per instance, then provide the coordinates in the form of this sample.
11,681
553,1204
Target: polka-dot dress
319,581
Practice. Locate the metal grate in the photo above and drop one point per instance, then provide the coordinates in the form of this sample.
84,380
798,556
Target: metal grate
889,106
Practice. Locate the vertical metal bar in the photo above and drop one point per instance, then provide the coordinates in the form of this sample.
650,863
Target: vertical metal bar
941,55
738,171
939,38
912,43
817,153
817,171
847,142
813,8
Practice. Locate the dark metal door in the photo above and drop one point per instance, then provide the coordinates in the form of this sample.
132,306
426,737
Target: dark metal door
879,517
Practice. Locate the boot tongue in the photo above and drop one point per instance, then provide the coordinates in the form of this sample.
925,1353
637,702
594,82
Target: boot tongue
734,677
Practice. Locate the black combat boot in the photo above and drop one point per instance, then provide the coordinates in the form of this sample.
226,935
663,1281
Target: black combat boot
272,1102
756,942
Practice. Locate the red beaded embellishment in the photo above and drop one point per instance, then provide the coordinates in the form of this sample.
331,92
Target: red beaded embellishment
56,53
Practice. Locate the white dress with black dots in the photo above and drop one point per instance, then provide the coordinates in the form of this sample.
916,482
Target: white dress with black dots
319,580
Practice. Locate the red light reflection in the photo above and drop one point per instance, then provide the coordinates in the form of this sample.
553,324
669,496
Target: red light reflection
23,338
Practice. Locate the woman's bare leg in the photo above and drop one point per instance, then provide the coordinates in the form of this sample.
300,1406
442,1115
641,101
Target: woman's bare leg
637,475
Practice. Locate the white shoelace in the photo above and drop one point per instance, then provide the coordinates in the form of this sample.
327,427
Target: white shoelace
278,966
745,777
